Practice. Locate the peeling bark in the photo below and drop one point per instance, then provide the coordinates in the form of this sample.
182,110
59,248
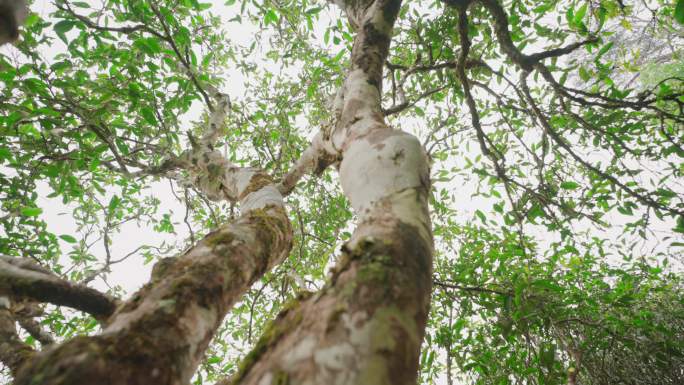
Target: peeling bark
160,335
364,327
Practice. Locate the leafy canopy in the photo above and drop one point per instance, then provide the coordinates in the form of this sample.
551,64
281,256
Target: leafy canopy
554,130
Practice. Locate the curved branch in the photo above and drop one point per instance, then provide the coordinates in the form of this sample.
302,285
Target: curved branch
555,136
21,282
529,63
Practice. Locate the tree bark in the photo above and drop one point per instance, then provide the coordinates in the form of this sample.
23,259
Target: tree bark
364,327
160,335
367,324
19,280
13,351
12,15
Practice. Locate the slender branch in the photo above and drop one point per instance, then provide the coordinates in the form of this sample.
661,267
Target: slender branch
555,136
36,331
467,288
168,37
495,156
406,104
525,62
315,159
40,286
66,7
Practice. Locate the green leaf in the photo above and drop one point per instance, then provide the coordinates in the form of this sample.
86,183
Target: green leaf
665,193
680,224
270,17
569,185
547,284
584,74
679,12
214,360
68,238
535,212
134,91
5,153
603,50
113,204
579,16
149,116
31,211
62,27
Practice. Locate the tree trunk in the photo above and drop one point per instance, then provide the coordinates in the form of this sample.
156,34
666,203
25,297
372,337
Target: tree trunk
364,327
367,324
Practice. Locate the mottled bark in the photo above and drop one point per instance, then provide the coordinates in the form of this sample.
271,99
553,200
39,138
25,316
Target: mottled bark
367,324
36,331
160,335
364,327
13,352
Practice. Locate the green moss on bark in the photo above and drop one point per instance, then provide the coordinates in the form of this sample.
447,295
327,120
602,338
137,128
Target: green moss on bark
258,181
289,317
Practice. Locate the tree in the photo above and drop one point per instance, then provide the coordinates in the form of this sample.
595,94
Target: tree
532,285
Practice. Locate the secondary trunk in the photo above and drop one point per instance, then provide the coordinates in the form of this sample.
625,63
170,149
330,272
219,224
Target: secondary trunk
160,335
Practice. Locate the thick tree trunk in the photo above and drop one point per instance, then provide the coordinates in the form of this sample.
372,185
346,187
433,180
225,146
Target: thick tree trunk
367,325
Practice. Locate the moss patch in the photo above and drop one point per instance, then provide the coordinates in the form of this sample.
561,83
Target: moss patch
256,183
289,317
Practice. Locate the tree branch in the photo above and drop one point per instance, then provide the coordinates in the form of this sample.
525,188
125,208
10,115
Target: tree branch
555,136
66,7
468,288
36,331
17,281
13,352
315,159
